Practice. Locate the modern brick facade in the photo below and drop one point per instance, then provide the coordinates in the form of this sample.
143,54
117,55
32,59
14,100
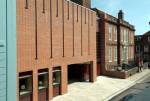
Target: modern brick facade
51,35
115,42
85,3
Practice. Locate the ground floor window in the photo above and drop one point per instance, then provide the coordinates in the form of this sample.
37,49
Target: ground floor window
43,85
25,86
56,81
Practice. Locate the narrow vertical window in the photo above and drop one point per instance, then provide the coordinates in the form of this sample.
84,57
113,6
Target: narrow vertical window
110,54
56,8
88,34
115,28
68,10
92,18
115,52
110,32
73,27
81,32
77,13
85,15
43,6
26,4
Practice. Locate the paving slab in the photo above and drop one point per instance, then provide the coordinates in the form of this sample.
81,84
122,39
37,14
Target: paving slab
102,90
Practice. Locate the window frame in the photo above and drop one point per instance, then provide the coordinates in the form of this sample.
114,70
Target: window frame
110,32
110,54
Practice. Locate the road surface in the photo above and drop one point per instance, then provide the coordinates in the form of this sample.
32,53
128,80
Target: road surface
139,92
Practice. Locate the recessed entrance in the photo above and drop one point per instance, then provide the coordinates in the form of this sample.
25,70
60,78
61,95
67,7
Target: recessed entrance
79,72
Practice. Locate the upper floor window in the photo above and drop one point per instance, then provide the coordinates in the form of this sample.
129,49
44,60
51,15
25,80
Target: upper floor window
115,32
26,4
125,35
110,32
138,48
146,48
122,34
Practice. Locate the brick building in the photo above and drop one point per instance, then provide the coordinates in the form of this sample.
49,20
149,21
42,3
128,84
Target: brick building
85,3
115,42
142,46
138,46
146,46
55,45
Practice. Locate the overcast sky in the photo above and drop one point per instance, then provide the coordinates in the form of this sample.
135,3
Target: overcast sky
137,12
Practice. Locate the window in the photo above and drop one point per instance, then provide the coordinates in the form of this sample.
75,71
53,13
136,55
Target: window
26,4
115,32
127,52
43,80
122,54
43,6
110,32
145,48
110,54
25,84
127,35
56,81
122,35
115,53
138,48
56,76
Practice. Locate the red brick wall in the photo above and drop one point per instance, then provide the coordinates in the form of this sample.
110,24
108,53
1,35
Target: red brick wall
103,42
72,39
54,38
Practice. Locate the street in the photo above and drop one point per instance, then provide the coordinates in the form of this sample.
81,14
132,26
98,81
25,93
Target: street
139,92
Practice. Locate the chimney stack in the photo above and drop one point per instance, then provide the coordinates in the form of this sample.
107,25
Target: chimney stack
121,15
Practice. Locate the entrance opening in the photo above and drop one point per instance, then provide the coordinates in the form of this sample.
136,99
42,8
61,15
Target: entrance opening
25,86
79,73
56,81
43,85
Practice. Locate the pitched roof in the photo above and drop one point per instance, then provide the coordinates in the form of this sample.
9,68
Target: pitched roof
147,33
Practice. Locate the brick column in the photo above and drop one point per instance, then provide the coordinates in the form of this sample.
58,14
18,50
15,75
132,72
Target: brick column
35,85
64,79
93,71
50,83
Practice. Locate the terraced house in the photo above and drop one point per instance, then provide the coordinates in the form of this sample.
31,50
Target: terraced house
115,44
142,46
55,46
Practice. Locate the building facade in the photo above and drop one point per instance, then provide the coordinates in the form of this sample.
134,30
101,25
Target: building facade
142,46
54,39
138,46
115,42
8,50
146,46
85,3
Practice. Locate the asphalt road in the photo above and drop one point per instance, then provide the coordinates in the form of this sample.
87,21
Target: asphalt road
139,92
